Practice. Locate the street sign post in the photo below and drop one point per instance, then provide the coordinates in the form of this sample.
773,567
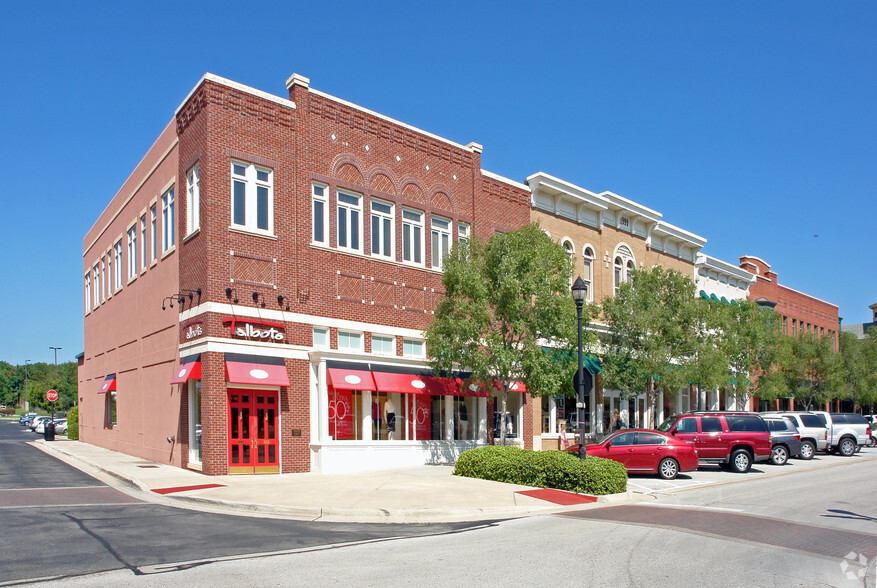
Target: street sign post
52,395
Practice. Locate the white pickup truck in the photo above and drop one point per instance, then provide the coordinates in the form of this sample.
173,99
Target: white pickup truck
848,432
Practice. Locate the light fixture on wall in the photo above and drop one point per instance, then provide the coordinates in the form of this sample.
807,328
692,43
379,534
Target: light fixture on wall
281,299
169,299
256,299
229,292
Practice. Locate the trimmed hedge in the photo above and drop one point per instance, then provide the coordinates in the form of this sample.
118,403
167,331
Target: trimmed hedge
544,469
73,423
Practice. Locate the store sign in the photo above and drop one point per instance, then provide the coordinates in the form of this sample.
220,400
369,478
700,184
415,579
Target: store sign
193,330
256,330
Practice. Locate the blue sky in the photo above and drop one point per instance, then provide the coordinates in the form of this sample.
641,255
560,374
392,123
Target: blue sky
752,124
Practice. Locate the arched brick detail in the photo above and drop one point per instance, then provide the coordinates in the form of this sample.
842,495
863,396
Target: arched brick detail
442,201
382,183
413,192
349,173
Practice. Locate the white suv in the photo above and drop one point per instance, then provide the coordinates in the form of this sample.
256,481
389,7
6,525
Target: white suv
847,431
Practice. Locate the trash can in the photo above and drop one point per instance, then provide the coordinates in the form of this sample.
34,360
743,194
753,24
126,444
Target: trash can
49,432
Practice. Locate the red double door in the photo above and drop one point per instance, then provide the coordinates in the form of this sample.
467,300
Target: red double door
253,446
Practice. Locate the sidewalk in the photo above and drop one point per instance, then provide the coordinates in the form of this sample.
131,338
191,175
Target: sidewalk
410,495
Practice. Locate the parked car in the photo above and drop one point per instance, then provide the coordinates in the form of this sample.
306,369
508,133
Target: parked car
36,423
873,420
40,427
848,432
785,439
25,419
812,428
643,451
61,427
734,440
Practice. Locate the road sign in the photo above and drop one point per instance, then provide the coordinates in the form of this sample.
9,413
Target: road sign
52,395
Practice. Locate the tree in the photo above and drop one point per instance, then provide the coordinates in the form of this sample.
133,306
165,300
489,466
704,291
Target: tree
505,302
750,341
859,359
652,322
813,370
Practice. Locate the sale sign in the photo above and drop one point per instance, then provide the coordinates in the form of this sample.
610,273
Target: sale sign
341,414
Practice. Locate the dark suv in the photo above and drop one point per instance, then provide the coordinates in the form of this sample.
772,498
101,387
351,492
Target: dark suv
732,440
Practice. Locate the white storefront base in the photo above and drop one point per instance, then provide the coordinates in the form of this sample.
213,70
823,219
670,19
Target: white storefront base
355,456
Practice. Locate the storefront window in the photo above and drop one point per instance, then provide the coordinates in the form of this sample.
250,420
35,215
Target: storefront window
195,421
511,421
345,414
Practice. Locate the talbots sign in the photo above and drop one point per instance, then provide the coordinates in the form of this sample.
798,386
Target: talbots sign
256,330
193,330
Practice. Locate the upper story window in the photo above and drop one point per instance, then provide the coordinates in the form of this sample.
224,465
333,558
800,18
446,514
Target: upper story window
132,252
321,337
193,199
440,240
412,348
143,242
167,219
348,341
87,293
412,236
623,266
97,284
588,274
106,282
320,199
252,198
153,233
382,229
118,261
349,221
463,232
383,345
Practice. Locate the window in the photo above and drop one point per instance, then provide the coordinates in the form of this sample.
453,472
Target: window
96,271
106,279
623,267
463,232
588,275
687,425
349,221
383,345
87,293
745,423
118,261
110,409
441,241
153,238
349,341
619,273
132,253
382,229
711,425
321,219
167,220
650,439
624,439
195,421
252,197
321,337
143,242
193,199
412,348
412,236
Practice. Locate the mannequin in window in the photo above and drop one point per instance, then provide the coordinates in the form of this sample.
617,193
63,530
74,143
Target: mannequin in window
376,419
390,417
464,420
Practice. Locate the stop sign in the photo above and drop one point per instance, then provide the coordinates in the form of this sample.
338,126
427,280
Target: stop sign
52,395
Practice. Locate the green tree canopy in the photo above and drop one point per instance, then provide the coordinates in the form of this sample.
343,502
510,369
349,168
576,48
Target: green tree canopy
505,301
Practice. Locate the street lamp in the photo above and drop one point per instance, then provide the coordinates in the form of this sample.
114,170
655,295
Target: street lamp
579,294
56,349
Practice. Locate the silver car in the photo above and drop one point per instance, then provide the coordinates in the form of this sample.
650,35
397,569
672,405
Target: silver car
813,430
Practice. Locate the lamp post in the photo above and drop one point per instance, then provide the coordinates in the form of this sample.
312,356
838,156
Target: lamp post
579,293
26,403
56,349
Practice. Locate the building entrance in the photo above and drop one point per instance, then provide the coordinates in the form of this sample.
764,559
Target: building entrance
252,432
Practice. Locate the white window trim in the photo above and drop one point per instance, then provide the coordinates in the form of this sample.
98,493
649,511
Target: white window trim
133,254
324,200
153,231
143,242
328,342
392,344
592,260
193,199
251,185
118,254
421,224
168,238
87,281
97,284
391,216
412,340
357,334
433,230
348,207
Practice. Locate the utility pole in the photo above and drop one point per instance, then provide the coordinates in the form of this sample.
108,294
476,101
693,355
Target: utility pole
26,403
57,383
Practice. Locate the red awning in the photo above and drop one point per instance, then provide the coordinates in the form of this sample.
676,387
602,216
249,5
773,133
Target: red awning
473,389
514,387
404,383
347,379
190,369
109,384
254,369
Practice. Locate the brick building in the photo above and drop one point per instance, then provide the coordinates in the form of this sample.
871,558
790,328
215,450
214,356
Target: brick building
256,291
799,313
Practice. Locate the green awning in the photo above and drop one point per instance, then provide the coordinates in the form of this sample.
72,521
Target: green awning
714,298
725,300
704,295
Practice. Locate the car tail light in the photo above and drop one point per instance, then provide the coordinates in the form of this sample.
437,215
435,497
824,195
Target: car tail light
869,431
797,437
826,434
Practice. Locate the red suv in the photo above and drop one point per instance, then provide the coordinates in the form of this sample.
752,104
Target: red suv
732,440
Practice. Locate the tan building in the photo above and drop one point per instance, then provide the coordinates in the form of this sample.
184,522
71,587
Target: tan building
607,236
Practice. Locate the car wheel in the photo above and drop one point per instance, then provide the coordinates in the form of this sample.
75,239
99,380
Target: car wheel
668,468
807,450
872,441
741,461
779,455
847,447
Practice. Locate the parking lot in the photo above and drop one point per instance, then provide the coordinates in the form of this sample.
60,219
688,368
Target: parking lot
713,475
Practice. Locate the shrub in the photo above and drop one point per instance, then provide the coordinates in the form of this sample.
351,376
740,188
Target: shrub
73,423
545,469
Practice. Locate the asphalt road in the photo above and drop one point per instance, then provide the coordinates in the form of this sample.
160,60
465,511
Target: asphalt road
58,523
